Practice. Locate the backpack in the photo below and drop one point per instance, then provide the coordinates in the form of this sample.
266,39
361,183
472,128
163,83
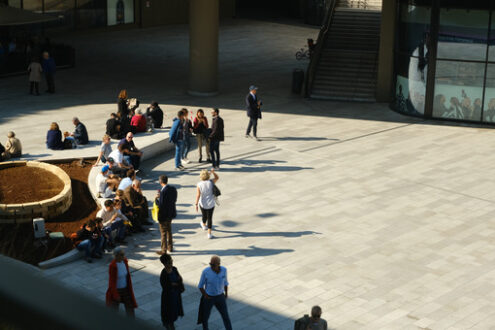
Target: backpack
302,323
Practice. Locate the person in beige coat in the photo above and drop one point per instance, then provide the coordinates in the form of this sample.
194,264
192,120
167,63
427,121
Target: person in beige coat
13,147
34,70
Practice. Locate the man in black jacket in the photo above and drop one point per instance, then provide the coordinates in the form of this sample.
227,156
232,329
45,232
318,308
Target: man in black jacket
80,133
167,197
113,127
216,136
253,107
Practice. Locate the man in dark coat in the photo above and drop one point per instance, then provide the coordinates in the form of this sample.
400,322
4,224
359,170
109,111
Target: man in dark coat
216,136
167,198
113,127
80,133
155,114
49,68
253,107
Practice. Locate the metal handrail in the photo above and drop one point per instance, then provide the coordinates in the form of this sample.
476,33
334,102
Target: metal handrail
315,58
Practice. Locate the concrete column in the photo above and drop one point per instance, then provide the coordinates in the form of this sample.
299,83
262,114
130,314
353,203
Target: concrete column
386,53
203,47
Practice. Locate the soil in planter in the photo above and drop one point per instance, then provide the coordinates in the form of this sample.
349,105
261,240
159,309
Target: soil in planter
25,184
17,241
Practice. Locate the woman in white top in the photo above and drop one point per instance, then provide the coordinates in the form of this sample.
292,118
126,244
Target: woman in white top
206,199
105,150
120,284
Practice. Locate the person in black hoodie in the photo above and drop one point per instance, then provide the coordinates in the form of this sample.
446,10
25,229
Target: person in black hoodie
155,114
113,127
90,241
216,136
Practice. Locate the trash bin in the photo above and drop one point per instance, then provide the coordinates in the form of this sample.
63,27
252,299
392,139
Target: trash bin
297,81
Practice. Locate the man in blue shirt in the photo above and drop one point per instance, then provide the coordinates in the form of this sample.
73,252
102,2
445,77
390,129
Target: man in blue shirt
214,288
49,68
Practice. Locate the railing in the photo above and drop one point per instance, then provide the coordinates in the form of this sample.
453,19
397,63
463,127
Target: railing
315,57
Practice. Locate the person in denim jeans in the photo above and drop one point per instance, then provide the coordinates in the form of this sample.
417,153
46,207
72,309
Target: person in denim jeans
176,136
91,241
187,126
214,289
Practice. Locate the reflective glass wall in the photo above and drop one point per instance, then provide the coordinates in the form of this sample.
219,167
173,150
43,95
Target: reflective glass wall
445,59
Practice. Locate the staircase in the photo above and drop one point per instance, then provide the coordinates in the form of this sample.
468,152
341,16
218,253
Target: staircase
346,67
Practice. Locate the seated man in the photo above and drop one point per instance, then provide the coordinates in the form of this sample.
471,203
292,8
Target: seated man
131,153
134,198
138,122
118,156
114,169
107,244
112,220
133,225
127,181
106,182
13,147
89,241
80,133
113,127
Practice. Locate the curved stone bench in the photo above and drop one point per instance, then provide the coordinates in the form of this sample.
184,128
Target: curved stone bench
48,208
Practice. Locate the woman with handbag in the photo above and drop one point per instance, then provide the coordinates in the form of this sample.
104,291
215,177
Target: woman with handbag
200,128
205,198
120,284
172,288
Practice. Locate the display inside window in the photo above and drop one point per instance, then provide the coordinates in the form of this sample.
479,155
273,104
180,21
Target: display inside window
458,90
120,12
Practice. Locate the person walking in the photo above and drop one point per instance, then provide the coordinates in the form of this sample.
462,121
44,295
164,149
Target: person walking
187,135
49,68
176,136
213,285
167,197
120,284
216,136
172,288
200,128
206,199
35,71
253,107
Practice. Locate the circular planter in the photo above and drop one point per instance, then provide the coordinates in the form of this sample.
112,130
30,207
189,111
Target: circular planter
48,208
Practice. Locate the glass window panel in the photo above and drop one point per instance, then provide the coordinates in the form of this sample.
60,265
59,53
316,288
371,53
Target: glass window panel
491,43
410,88
414,28
458,90
463,34
34,5
489,108
14,3
90,13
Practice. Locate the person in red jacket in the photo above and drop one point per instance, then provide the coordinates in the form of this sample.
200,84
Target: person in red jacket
120,284
138,122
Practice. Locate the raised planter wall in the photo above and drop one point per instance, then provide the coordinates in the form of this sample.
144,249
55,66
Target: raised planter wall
48,208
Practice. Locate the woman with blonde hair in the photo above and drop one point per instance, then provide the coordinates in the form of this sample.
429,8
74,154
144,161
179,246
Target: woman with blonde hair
54,138
206,199
123,104
105,150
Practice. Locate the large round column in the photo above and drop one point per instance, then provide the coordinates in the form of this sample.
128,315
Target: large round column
203,47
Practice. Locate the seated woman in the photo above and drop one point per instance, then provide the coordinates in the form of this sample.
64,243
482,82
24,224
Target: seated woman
54,138
138,122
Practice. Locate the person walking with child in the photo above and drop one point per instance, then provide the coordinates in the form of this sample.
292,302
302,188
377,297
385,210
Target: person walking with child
205,199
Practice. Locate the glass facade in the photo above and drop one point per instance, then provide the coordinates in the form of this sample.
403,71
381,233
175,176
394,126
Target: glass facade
82,13
445,59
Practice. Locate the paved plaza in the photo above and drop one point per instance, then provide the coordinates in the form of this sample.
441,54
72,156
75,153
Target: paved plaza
385,221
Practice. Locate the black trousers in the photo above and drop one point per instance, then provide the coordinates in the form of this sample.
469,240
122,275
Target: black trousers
253,122
215,152
207,216
34,86
50,82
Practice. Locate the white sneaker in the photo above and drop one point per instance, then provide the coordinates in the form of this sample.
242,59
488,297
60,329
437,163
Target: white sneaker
203,226
210,236
185,160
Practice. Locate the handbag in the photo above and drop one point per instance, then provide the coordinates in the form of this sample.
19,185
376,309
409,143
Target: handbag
154,211
216,191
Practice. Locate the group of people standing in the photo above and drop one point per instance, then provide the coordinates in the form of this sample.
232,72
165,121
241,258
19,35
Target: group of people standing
181,132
